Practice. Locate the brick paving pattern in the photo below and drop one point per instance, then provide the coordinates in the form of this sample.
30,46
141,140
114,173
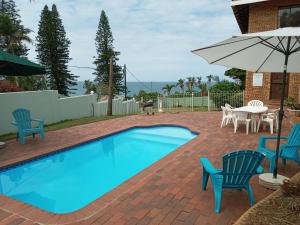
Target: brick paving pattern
168,192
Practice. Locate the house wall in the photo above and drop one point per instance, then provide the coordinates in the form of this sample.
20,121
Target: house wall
262,17
48,106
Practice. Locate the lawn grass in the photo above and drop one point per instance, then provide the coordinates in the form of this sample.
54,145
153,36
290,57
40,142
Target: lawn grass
63,124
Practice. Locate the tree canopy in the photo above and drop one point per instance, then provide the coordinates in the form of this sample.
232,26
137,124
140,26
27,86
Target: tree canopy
168,88
238,75
225,86
180,83
13,39
13,35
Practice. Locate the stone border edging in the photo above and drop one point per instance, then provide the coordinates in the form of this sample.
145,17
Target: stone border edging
243,220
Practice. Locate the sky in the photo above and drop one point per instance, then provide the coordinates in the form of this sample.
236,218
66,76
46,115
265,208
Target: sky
155,38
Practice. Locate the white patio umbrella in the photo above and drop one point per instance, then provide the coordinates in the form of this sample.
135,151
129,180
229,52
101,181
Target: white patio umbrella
270,51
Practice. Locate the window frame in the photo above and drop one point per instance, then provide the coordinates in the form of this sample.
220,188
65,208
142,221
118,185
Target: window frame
285,7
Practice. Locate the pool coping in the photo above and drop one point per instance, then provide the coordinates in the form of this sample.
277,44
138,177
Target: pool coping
33,213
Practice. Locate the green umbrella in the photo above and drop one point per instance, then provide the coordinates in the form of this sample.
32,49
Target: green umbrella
12,65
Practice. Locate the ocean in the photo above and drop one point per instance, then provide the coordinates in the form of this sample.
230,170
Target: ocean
135,87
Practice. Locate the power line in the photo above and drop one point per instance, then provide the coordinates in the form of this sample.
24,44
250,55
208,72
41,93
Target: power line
135,77
84,67
138,79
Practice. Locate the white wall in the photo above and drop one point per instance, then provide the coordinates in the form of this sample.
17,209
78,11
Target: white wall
43,105
48,106
75,107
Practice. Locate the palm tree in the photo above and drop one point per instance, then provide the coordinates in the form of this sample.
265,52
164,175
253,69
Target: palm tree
190,83
11,37
209,78
180,83
168,88
216,78
203,89
199,81
12,34
89,86
202,86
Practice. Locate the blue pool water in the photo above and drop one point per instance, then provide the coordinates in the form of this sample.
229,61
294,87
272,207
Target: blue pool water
69,180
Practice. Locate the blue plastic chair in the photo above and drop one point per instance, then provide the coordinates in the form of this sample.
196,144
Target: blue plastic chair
238,168
290,150
23,122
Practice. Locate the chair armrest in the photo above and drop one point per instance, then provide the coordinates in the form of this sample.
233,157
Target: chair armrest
259,170
14,123
263,139
208,166
285,146
40,122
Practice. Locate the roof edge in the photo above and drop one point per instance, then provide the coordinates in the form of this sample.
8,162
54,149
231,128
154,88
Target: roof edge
243,2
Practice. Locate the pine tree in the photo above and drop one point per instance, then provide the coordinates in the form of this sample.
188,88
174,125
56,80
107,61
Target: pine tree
105,50
53,51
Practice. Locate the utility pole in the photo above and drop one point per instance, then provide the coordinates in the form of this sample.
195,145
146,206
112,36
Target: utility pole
110,91
125,81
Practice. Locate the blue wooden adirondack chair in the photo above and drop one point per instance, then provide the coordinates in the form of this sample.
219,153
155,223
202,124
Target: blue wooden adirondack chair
290,150
238,168
23,122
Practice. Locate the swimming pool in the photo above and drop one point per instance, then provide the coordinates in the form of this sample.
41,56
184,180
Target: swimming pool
71,179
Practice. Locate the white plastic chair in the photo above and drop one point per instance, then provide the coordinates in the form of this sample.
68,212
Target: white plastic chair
256,103
241,118
228,106
271,118
227,116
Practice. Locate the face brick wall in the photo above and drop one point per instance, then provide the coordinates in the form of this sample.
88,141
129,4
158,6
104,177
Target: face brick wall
262,17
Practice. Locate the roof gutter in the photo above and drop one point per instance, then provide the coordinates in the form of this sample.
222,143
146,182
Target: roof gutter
243,2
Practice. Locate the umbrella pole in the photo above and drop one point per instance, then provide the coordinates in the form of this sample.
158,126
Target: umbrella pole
281,111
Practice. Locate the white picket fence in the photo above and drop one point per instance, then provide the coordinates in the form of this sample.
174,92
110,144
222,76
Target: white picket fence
120,107
212,101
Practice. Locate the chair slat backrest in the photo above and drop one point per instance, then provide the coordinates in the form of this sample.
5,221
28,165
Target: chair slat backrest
294,136
256,103
228,106
224,111
240,166
22,118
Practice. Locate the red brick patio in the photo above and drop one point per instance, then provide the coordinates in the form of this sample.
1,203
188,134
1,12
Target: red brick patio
168,192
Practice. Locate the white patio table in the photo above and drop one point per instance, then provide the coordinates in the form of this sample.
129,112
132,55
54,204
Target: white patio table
253,111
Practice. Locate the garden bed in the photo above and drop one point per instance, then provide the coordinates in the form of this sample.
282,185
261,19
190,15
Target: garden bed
276,209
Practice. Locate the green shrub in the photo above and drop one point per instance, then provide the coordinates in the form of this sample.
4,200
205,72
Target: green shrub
290,102
146,95
226,92
219,99
225,86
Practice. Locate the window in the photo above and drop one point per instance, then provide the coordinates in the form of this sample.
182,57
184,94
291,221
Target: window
289,16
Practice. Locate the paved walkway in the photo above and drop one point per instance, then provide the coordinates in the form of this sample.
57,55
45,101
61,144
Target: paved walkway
168,192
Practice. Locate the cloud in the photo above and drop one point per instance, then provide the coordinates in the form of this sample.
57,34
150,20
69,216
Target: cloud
154,37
